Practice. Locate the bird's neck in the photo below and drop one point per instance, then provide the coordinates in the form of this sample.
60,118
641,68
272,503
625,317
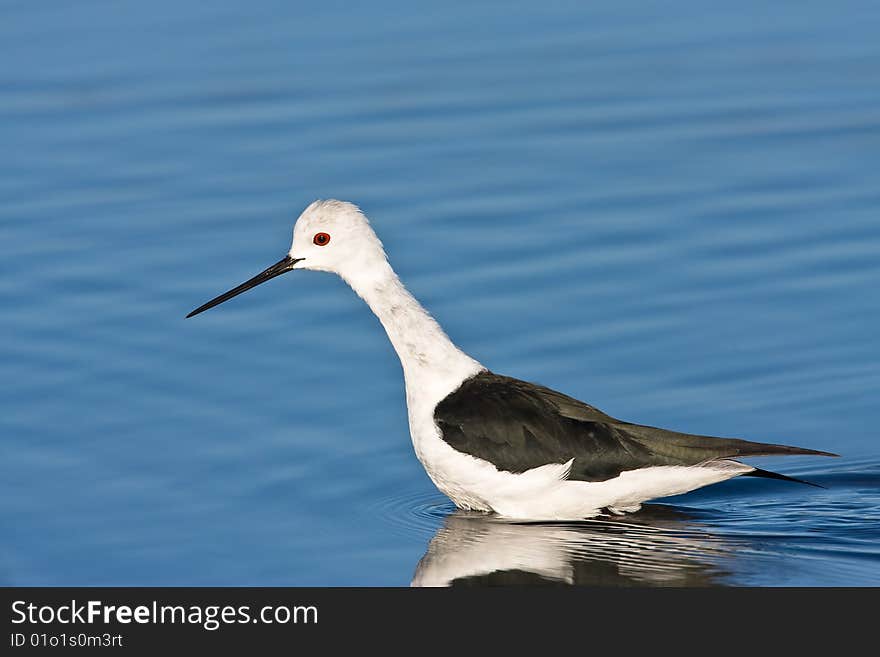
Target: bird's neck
432,365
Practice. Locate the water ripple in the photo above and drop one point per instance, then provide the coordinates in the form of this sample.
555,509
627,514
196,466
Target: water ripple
597,199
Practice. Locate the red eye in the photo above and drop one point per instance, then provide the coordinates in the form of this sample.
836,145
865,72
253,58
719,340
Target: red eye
321,239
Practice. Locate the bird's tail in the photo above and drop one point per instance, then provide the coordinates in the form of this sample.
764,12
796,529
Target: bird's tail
767,474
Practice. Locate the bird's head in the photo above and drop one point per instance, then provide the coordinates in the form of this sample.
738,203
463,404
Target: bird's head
335,236
332,236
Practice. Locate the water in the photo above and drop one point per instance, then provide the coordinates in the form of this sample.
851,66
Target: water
669,211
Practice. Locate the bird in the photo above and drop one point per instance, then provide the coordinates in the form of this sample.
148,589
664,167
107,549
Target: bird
494,443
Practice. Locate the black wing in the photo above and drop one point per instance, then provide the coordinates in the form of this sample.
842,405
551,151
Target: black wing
518,426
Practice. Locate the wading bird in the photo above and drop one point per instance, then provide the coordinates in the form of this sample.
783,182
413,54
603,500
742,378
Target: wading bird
492,442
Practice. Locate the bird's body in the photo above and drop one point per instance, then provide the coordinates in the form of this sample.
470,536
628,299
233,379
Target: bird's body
494,443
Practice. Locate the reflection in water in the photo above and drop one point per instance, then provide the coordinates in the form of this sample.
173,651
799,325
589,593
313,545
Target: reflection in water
657,547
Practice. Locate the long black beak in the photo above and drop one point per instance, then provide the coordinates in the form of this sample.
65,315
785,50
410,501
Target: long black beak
280,267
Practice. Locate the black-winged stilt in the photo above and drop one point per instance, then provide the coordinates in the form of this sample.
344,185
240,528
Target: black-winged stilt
491,442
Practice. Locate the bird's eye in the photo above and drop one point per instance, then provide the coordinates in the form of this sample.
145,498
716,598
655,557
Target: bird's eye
322,239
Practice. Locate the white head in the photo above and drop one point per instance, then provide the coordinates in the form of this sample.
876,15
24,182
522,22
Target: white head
335,236
332,236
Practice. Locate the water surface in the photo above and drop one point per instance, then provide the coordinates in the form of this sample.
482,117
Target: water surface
669,211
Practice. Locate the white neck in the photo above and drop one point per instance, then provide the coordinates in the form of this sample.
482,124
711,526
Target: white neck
432,365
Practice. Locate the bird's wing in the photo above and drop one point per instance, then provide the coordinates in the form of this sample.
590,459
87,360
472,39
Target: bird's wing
518,426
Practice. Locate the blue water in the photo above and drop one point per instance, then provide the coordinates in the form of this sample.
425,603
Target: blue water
670,210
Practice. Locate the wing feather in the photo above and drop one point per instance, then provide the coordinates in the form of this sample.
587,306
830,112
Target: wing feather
518,426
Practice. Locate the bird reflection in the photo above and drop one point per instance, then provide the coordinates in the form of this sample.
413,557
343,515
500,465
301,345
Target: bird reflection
659,546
